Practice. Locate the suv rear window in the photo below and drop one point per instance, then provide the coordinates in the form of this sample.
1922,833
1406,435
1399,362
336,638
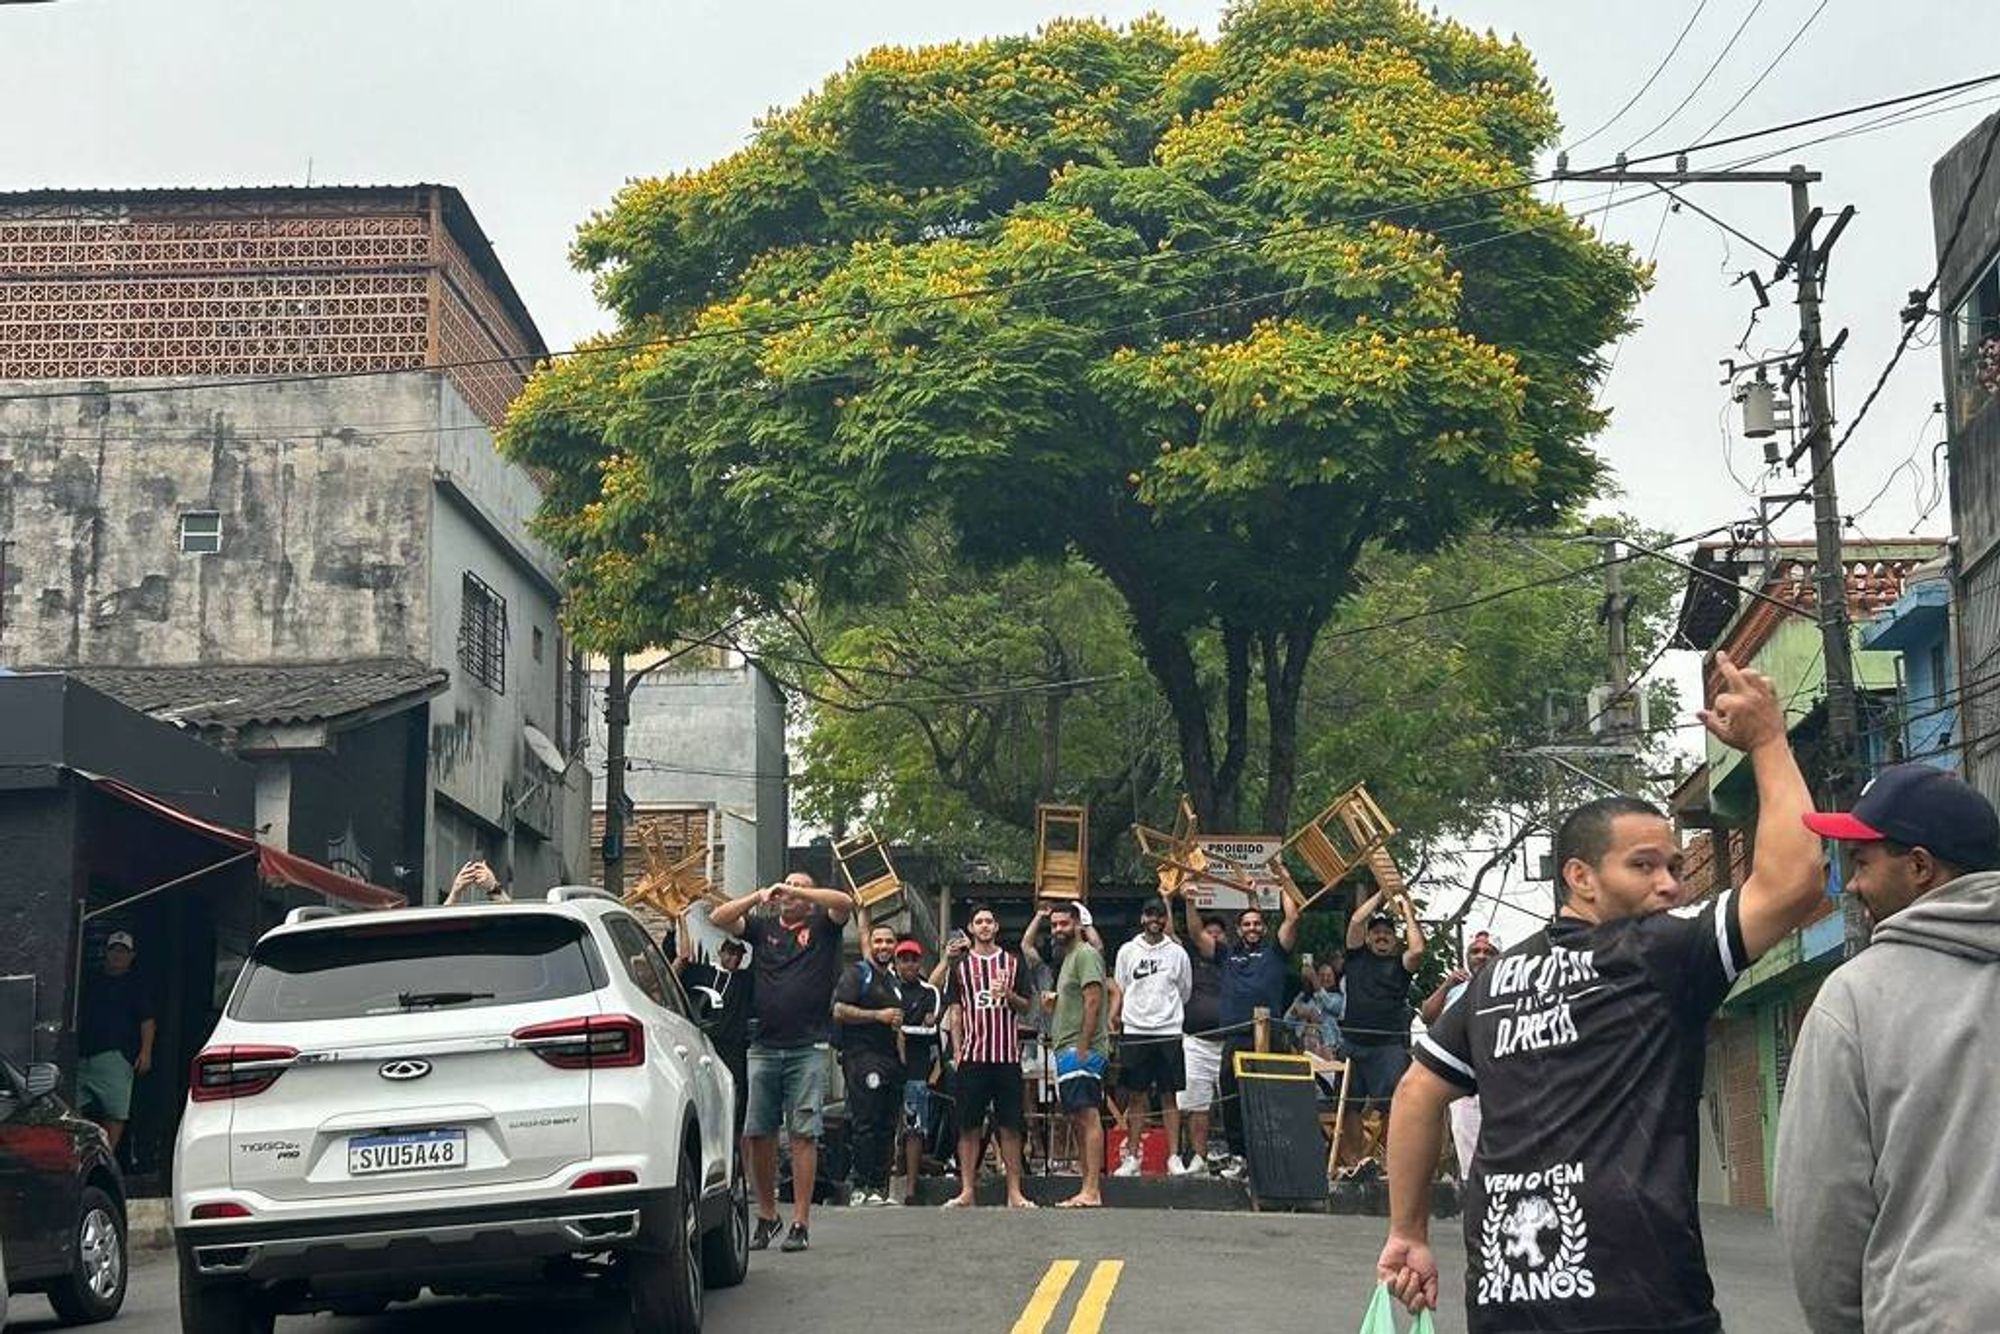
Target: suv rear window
395,967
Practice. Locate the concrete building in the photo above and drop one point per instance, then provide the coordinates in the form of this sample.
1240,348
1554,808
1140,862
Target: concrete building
248,484
705,761
1964,182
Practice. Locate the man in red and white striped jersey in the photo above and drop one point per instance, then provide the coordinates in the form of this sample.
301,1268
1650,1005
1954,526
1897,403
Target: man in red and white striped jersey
988,989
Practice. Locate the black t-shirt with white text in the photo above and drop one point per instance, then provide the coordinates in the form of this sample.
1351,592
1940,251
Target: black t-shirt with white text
797,964
922,1005
1586,1045
1378,999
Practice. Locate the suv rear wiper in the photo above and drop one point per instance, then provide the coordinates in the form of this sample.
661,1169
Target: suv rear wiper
410,1000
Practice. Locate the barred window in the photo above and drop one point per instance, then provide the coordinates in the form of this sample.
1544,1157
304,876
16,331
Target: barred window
482,635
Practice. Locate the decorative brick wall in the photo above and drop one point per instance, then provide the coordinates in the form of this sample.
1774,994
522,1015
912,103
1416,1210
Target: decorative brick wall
250,283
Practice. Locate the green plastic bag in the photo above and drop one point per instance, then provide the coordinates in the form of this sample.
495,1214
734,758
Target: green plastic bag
1380,1317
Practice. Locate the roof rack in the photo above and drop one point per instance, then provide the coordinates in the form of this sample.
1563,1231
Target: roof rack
571,893
312,912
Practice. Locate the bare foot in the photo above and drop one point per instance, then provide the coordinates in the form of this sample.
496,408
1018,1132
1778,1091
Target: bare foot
959,1202
1022,1202
1081,1202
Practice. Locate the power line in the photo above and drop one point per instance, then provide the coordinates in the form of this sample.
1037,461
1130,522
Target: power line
1920,300
1645,87
1776,60
1702,82
1001,289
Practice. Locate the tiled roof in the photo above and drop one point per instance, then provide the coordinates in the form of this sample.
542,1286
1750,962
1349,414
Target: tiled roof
266,695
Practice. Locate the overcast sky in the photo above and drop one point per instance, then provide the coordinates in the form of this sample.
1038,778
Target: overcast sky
539,109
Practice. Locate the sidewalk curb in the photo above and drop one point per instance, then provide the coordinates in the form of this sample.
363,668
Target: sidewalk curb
149,1225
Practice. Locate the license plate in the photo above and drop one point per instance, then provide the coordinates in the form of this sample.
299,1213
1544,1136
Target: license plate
419,1151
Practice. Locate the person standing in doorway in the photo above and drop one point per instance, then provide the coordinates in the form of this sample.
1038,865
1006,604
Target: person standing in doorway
794,931
114,1038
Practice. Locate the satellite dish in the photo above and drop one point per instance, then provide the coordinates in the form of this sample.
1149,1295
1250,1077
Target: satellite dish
544,749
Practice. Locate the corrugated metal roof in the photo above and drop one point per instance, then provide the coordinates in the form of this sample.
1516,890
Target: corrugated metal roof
208,696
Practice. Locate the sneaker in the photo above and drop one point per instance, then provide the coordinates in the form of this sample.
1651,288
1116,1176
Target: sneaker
767,1228
1196,1164
884,1200
1178,1166
1128,1168
1234,1170
795,1240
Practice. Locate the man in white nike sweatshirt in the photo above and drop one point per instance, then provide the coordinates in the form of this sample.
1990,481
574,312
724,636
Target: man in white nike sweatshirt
1150,987
1888,1186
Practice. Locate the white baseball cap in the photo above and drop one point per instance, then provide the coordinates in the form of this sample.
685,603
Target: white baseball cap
117,938
1082,914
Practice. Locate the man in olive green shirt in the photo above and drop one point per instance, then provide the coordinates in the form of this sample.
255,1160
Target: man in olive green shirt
1082,1043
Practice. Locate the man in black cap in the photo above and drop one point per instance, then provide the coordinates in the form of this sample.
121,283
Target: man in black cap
1886,1179
1380,967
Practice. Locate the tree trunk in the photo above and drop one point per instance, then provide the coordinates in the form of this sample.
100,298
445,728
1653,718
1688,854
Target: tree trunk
1236,742
1284,654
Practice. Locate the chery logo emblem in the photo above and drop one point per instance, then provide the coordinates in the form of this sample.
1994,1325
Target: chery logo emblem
405,1069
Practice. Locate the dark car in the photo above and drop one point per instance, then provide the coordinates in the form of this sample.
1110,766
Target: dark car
62,1204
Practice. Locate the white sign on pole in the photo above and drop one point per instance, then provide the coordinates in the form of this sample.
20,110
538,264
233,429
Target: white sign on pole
1244,857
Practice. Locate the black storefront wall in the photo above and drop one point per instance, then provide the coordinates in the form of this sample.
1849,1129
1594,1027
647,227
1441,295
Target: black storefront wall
70,851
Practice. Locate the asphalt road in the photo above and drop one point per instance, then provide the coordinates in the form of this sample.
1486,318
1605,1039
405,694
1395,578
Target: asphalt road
1102,1273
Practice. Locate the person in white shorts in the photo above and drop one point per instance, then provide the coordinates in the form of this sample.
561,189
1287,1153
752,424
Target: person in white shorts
1201,1056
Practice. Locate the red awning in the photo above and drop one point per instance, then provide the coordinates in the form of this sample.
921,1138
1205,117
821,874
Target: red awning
276,867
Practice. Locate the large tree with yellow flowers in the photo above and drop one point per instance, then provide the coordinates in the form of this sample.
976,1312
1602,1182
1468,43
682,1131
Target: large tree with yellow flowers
1213,317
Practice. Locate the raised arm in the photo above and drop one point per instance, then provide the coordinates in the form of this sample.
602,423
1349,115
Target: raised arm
1787,870
1197,936
1357,921
1433,1004
839,904
732,916
1293,904
1031,939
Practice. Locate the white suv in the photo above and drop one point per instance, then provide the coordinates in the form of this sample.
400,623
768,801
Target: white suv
457,1099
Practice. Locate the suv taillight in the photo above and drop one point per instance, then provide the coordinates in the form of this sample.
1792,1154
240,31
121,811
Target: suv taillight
237,1072
598,1041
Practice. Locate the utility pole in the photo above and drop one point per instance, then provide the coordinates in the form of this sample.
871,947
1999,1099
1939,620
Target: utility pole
1805,259
1620,714
617,713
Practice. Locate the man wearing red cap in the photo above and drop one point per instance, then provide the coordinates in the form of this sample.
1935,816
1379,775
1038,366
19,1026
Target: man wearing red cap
1886,1178
1586,1044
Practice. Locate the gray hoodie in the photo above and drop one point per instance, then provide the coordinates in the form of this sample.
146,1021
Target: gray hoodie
1888,1166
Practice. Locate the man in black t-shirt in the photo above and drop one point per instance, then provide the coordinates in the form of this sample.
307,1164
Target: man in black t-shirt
923,1006
870,1014
1586,1044
114,1039
1380,966
720,992
794,932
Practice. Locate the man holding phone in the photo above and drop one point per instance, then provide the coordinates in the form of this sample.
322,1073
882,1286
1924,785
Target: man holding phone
476,883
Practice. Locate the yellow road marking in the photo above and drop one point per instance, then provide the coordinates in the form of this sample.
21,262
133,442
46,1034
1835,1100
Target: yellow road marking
1090,1308
1035,1317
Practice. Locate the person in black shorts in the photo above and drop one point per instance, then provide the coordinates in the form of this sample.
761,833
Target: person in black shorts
987,990
1585,1044
1150,986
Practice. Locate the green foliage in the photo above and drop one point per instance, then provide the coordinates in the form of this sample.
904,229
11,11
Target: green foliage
1213,318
